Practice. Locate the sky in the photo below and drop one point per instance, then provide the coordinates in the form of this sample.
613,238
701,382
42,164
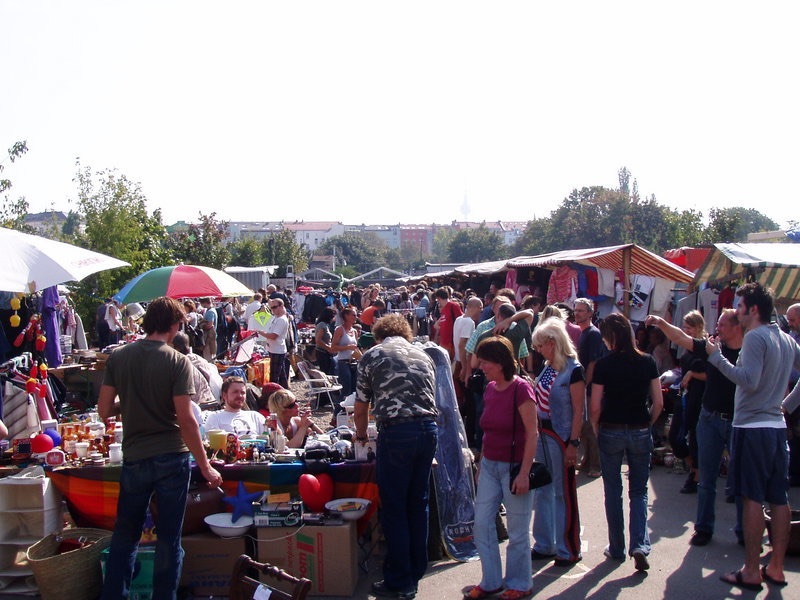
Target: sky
402,112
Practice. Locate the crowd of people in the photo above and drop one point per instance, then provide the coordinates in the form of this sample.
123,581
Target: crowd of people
550,383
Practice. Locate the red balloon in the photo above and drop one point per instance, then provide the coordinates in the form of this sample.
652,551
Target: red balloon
41,442
325,488
309,488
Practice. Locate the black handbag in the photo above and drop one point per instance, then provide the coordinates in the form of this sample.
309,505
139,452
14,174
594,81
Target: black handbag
539,475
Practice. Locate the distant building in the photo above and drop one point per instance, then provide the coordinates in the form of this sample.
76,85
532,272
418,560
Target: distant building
46,221
308,234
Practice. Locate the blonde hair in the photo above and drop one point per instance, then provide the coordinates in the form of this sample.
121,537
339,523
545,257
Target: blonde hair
556,330
694,318
279,400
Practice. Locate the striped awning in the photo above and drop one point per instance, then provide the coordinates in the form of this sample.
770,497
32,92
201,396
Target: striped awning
773,265
643,262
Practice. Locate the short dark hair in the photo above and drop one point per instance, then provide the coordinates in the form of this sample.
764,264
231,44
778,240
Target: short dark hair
498,350
229,381
181,343
162,313
326,315
443,293
393,324
755,294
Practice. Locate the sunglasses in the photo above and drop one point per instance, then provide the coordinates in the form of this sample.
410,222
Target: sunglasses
290,406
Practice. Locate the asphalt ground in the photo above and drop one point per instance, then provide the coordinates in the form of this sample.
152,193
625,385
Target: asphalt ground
678,570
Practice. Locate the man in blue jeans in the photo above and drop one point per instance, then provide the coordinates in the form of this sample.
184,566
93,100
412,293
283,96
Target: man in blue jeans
714,426
399,380
154,384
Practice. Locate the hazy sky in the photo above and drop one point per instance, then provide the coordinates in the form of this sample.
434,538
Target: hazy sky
378,112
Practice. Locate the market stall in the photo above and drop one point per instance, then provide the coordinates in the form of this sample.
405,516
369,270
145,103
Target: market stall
628,277
773,265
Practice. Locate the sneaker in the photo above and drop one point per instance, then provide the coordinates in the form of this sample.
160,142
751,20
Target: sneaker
640,560
700,538
690,486
476,592
515,594
379,588
567,562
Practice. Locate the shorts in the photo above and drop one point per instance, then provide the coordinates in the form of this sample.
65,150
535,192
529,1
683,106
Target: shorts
760,465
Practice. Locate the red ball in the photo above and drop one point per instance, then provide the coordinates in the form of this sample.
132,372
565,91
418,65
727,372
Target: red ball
41,442
309,488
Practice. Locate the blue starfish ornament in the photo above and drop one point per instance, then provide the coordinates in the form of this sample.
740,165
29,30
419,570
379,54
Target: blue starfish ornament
242,502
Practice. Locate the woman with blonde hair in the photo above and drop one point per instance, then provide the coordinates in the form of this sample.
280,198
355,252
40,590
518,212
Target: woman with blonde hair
294,425
560,398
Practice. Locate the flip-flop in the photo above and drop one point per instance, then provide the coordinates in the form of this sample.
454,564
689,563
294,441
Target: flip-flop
772,580
735,578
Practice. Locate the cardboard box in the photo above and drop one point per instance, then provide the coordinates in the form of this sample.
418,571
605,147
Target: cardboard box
208,562
279,514
327,555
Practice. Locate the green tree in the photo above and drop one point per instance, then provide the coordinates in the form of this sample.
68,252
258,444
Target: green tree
246,252
734,223
202,243
442,239
117,223
361,251
476,245
281,249
13,211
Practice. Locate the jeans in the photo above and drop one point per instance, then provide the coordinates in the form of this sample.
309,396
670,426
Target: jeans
493,482
636,445
404,457
346,371
279,369
713,436
168,476
556,523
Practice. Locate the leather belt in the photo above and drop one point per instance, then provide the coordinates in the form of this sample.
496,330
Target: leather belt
627,426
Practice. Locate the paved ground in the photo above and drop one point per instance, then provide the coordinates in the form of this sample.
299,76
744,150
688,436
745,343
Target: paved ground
678,570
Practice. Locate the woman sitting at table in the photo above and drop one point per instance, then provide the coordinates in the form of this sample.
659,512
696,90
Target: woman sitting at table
291,422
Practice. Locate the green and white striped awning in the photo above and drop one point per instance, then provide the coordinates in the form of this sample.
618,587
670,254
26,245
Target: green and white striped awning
773,265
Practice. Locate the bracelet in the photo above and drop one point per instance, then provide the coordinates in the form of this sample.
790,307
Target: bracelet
361,438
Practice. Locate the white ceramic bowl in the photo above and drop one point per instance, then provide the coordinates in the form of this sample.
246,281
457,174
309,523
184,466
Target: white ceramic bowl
221,524
350,508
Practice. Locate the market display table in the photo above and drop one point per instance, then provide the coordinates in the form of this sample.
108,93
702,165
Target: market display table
91,493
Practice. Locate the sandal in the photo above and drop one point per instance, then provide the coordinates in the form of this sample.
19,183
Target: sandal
476,592
515,594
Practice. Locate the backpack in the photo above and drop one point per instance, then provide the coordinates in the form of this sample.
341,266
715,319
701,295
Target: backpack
227,326
197,337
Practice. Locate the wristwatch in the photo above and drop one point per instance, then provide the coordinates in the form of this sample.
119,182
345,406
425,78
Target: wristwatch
576,442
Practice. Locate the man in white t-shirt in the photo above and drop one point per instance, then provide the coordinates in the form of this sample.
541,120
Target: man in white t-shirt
234,417
276,331
465,325
252,307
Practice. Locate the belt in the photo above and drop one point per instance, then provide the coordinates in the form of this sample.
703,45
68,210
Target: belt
723,416
627,426
384,423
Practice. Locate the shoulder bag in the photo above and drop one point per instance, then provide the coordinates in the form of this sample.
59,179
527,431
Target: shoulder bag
539,475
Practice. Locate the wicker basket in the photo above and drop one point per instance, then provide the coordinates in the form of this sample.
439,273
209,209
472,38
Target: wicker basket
76,574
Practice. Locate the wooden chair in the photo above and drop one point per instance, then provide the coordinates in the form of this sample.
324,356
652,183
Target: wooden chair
318,382
244,587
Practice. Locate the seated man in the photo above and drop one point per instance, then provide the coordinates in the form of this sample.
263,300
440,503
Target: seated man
233,417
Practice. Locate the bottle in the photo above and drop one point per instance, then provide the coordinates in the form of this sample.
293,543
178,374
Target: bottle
68,442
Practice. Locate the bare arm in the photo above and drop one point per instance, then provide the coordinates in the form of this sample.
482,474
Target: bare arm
361,419
503,325
577,392
595,406
527,412
658,399
190,432
3,430
674,334
107,406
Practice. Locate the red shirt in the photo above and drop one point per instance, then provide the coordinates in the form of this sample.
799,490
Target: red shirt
450,313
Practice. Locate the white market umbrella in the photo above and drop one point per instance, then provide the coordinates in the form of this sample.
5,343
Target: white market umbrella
31,263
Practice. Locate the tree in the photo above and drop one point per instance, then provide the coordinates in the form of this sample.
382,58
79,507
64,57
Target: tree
362,251
202,243
441,244
13,212
118,223
245,252
281,249
476,245
734,223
